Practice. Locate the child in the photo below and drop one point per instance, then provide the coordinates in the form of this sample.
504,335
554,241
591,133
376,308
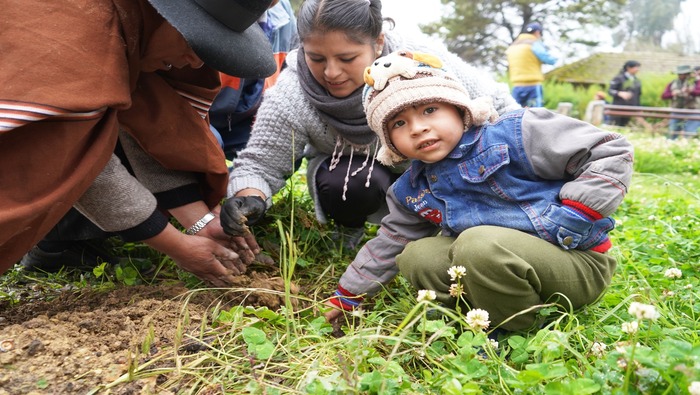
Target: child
522,203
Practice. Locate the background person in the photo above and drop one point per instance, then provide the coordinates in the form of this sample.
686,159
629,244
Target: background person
522,204
315,110
525,58
626,90
693,125
683,92
136,69
234,108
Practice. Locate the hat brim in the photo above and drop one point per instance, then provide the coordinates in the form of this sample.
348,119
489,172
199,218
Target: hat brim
246,55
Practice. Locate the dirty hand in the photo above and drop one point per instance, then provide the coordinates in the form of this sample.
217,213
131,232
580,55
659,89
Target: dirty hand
208,260
240,211
246,247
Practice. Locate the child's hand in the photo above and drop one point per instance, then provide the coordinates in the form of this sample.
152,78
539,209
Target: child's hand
333,313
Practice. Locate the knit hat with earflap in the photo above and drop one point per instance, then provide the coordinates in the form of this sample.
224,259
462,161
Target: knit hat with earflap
402,79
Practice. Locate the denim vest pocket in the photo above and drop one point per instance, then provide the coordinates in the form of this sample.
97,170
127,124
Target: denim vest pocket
478,168
563,229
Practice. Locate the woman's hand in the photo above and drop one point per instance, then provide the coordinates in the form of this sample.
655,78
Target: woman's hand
246,247
201,256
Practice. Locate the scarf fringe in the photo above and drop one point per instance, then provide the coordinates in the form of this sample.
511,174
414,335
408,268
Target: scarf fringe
338,153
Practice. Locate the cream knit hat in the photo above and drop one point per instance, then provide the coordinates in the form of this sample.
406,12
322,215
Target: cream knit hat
403,79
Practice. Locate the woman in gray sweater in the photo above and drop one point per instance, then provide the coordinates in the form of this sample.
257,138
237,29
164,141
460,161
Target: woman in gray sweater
315,111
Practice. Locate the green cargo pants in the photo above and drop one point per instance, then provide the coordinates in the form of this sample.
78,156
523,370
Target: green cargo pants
507,271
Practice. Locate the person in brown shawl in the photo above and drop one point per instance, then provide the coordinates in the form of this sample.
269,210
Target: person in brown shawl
103,110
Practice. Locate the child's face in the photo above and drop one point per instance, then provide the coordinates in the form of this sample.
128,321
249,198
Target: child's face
428,132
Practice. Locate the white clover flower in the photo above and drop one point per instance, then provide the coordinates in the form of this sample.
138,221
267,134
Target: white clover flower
677,218
673,273
478,319
694,388
622,363
426,294
620,347
494,343
630,327
598,349
689,286
661,246
456,290
667,293
457,272
651,217
643,311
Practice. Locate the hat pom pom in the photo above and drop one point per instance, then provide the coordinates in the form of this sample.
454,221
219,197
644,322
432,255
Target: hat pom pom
482,110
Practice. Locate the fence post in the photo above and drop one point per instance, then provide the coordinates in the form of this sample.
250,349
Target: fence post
594,112
564,108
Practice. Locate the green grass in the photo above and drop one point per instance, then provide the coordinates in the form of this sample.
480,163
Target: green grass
395,345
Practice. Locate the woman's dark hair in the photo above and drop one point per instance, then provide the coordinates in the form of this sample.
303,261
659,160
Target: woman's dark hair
358,19
629,64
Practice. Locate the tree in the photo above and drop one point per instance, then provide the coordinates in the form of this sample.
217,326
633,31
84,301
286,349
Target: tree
650,19
480,31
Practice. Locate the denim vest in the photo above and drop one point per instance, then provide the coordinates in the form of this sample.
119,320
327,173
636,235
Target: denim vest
488,180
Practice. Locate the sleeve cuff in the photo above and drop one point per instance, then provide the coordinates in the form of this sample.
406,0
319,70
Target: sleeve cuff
239,183
179,196
151,227
345,300
582,209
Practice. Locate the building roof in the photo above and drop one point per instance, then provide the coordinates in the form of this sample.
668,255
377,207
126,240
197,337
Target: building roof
600,68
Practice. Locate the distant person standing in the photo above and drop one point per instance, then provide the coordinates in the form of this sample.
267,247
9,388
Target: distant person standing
626,89
683,93
525,58
692,125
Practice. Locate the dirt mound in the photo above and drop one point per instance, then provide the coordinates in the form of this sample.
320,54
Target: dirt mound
80,340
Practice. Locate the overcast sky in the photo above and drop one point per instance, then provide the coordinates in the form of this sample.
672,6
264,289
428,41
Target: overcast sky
408,14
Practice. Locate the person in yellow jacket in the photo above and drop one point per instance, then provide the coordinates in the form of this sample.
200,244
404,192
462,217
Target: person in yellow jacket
525,58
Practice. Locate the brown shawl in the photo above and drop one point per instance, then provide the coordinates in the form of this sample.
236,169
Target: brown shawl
69,57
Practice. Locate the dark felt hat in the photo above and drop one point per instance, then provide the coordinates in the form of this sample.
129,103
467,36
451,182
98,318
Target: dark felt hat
223,33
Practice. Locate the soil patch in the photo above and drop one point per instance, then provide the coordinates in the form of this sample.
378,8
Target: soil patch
78,341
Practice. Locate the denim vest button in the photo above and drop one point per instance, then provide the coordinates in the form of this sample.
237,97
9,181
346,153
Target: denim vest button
433,178
482,169
567,240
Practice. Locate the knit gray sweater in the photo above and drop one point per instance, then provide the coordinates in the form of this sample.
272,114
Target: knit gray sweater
288,127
